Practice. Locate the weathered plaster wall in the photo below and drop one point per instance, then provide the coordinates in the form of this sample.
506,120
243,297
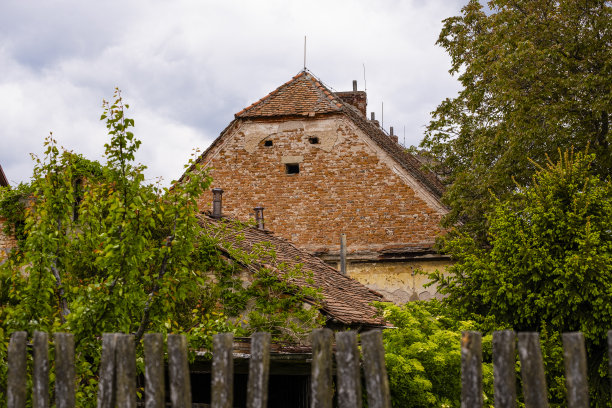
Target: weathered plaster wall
397,281
345,184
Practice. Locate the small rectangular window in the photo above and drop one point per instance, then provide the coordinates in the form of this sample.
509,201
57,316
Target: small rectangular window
268,143
292,168
313,140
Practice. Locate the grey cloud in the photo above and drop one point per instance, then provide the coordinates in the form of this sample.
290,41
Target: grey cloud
187,67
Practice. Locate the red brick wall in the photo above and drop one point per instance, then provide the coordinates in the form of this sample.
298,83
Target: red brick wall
358,99
351,188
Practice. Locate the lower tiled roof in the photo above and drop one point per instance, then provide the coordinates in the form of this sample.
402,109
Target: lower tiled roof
344,299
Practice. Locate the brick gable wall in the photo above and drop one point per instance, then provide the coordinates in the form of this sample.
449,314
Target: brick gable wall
346,184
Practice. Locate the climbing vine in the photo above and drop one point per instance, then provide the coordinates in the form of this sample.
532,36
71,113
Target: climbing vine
254,289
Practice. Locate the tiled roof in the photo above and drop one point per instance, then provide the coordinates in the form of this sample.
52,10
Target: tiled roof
3,181
410,163
344,299
305,95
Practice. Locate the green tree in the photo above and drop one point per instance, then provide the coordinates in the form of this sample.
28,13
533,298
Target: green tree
100,250
536,76
103,250
549,265
423,355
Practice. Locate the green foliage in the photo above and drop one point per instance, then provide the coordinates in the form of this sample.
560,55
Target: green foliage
550,261
423,356
100,250
274,296
13,208
535,78
104,251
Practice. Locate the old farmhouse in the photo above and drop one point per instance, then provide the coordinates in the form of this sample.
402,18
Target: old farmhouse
320,168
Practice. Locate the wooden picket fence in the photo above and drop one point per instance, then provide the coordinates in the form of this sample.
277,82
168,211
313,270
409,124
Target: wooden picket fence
117,376
117,379
532,369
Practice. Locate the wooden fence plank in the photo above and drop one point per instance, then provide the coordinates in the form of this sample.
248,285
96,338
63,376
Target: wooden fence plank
125,379
16,379
347,370
321,369
471,369
40,380
65,376
178,371
377,382
259,371
532,371
222,384
504,375
155,390
106,381
574,358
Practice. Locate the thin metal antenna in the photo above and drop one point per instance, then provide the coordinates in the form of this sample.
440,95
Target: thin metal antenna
404,135
304,53
365,84
382,115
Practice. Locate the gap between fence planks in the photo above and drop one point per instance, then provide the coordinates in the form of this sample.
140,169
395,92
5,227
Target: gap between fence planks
117,375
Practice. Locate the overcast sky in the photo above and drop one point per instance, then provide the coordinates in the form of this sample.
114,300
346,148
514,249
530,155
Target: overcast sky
187,66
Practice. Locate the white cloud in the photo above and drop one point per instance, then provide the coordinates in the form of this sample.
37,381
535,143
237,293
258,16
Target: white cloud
187,66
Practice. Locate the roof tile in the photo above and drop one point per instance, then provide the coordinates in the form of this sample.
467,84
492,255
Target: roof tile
300,96
344,299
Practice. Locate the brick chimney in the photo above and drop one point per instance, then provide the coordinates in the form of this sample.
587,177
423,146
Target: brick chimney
217,195
259,217
373,119
392,136
356,98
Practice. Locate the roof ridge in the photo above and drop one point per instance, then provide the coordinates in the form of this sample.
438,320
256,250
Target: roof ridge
332,96
401,156
270,94
325,100
404,158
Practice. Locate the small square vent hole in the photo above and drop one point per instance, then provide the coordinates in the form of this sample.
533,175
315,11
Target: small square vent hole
268,143
313,140
292,168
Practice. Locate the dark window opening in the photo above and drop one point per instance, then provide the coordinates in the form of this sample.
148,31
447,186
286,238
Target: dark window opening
292,168
313,140
268,143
